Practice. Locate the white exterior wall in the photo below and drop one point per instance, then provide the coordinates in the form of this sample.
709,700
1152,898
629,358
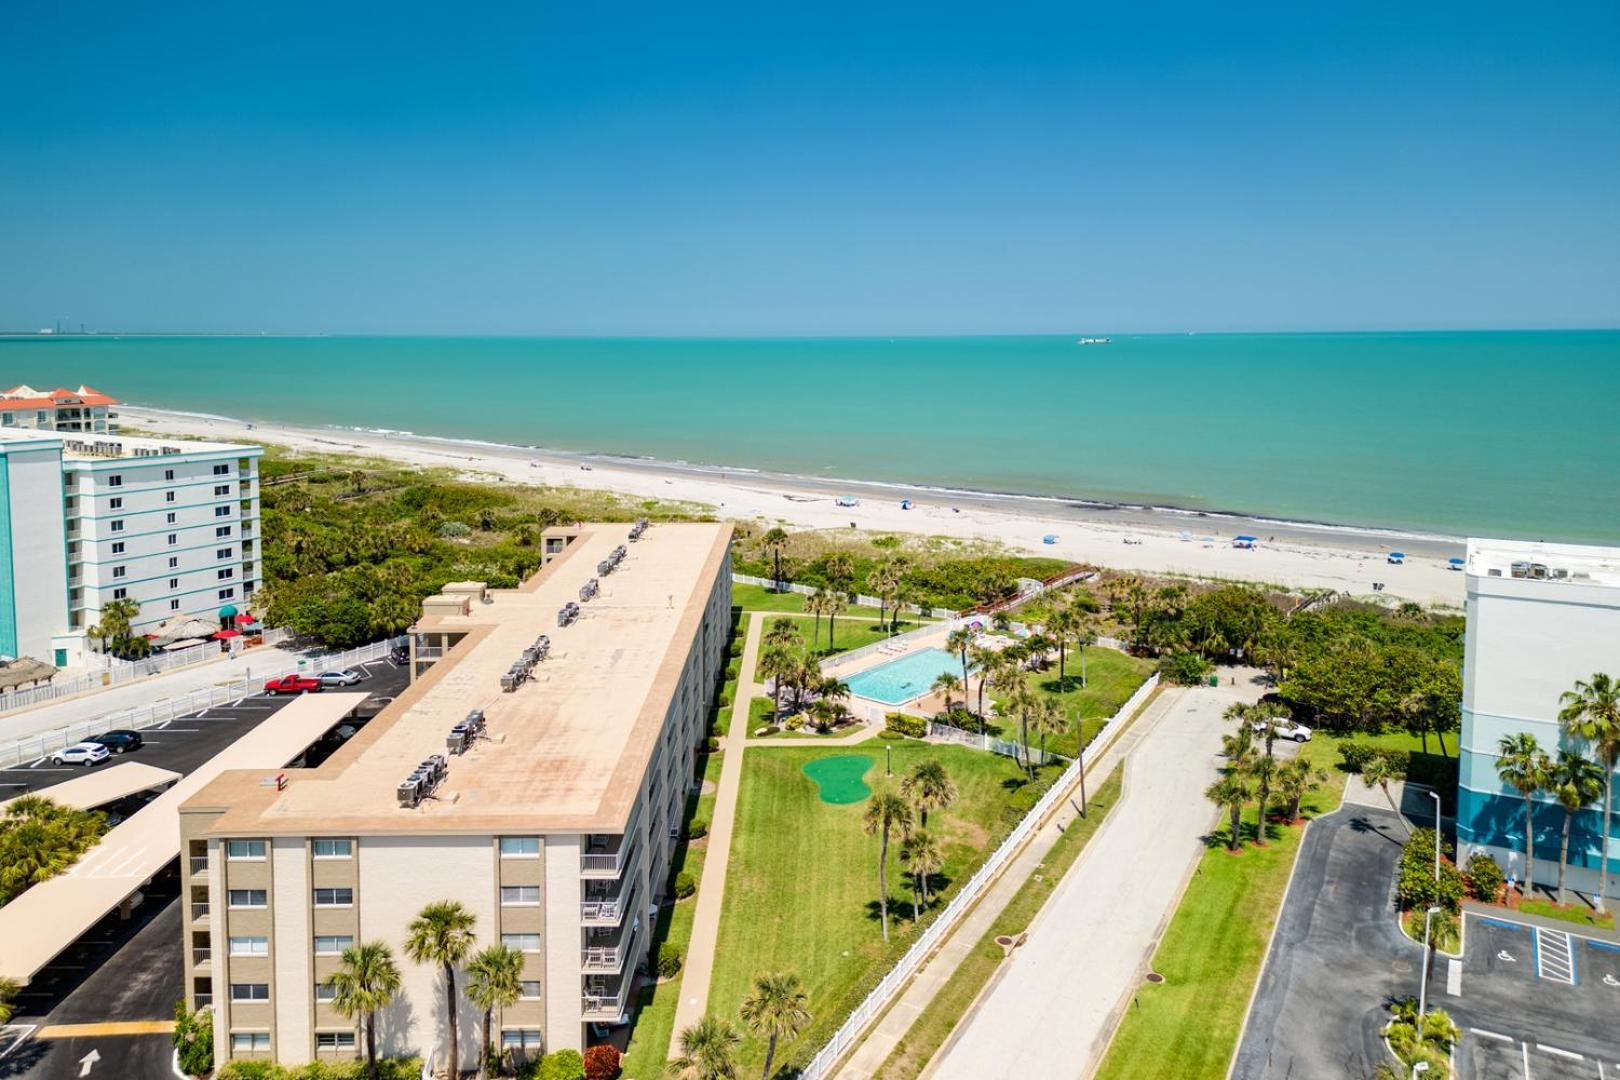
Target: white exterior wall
127,525
38,546
292,979
561,943
398,877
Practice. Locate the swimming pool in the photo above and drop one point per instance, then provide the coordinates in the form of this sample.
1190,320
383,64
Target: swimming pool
902,679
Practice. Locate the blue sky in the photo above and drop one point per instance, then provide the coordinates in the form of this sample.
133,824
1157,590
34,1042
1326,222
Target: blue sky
753,168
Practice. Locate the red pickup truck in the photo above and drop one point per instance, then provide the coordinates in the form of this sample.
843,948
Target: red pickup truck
292,684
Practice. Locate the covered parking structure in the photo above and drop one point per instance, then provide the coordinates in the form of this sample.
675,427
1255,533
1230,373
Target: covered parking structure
102,786
50,916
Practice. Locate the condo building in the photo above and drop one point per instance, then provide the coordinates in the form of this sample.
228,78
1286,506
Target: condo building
535,772
89,519
85,410
1540,616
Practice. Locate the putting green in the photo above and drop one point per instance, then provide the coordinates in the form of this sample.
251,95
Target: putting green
838,779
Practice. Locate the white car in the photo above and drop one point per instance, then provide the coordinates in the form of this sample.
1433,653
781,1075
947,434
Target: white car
1286,729
85,753
340,677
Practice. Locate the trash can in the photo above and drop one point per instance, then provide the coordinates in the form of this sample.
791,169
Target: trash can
1214,680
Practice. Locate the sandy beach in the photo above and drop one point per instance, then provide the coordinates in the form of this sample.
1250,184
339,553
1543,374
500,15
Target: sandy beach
1140,539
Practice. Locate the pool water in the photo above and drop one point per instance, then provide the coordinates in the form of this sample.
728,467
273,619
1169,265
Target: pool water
907,677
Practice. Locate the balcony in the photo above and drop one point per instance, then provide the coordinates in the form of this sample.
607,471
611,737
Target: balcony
199,915
605,906
610,957
604,999
198,865
202,960
607,855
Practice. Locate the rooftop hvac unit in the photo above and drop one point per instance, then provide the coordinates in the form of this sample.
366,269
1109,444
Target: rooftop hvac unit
637,529
605,567
589,590
410,793
456,741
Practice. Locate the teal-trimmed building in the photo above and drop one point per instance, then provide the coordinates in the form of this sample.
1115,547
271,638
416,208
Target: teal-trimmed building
1540,616
33,547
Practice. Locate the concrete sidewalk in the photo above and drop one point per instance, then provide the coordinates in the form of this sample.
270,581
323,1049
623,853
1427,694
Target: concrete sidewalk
1053,1005
699,967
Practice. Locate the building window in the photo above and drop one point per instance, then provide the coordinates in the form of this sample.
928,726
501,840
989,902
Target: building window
222,470
224,553
225,574
222,489
120,571
222,511
520,896
226,594
520,1038
170,518
117,525
120,592
174,583
521,942
334,1040
174,538
115,503
168,474
250,1041
168,496
520,847
250,991
174,562
529,990
118,547
334,849
174,605
332,944
115,480
248,898
244,849
334,897
250,946
324,992
222,531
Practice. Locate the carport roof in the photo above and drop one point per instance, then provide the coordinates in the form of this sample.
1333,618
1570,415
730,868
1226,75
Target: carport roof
49,917
101,786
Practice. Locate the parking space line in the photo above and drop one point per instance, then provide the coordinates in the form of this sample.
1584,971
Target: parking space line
1555,956
1570,1054
1454,978
1482,1033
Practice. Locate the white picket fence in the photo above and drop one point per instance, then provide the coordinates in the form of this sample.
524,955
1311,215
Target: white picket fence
938,732
33,747
834,1049
860,598
118,672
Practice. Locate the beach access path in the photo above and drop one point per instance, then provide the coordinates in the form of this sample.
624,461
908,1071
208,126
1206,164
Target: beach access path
1052,1007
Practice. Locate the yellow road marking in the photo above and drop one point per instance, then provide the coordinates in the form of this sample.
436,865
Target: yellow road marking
125,1027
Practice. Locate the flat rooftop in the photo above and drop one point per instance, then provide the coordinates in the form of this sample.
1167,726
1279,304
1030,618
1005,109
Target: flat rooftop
96,446
97,787
52,915
566,751
1574,564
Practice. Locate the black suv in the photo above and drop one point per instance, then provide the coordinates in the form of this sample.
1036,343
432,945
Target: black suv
119,741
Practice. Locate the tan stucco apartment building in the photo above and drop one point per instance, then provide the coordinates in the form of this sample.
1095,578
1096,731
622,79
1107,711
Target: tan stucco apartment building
555,829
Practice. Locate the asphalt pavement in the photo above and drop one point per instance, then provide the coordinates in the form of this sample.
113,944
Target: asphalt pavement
1531,1004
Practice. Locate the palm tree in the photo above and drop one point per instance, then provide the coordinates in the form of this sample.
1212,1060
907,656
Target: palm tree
1379,772
1295,778
923,858
835,605
947,684
494,981
984,658
1264,717
816,604
708,1051
840,567
442,933
1022,701
886,812
959,641
1522,766
929,787
1576,782
1062,627
884,581
778,665
778,1008
1231,793
8,990
1591,712
1047,719
783,633
774,542
366,981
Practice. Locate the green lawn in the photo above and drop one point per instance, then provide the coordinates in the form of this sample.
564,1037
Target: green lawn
801,892
935,1024
1111,678
853,632
759,598
655,1020
1574,913
1212,952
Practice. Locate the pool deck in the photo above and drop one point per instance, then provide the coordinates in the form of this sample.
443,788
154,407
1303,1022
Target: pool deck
873,710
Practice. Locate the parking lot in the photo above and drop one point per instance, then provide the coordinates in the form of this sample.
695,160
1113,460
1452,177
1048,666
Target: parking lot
1531,1002
108,997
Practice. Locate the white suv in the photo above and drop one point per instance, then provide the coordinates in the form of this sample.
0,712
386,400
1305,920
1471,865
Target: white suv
1285,729
85,753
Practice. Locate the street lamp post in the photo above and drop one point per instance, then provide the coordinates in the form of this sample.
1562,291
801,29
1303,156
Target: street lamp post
888,761
1435,795
1423,983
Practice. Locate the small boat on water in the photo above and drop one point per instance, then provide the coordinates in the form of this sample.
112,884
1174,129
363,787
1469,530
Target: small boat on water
1093,341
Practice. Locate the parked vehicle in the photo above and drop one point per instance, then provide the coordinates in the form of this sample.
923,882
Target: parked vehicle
85,753
1287,729
399,655
293,684
340,677
120,741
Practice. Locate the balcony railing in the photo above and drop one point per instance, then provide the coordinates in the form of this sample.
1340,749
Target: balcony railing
610,957
199,864
199,912
201,958
606,1005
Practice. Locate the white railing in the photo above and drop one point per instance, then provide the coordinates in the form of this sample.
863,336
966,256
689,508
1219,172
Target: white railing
860,598
1004,747
119,672
605,1006
895,644
199,864
821,1064
33,747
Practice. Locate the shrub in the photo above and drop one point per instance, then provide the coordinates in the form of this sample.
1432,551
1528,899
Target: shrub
728,694
562,1065
1354,757
698,829
1485,878
685,884
194,1039
1417,887
794,722
892,736
669,961
454,530
601,1062
736,647
713,744
1185,668
733,669
914,727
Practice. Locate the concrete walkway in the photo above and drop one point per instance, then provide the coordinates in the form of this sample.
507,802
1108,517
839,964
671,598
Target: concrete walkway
1053,1005
699,967
881,1041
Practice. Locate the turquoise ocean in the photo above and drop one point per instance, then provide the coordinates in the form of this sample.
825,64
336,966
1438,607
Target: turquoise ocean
1480,433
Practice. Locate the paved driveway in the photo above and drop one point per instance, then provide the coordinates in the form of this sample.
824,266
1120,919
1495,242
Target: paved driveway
1530,1004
